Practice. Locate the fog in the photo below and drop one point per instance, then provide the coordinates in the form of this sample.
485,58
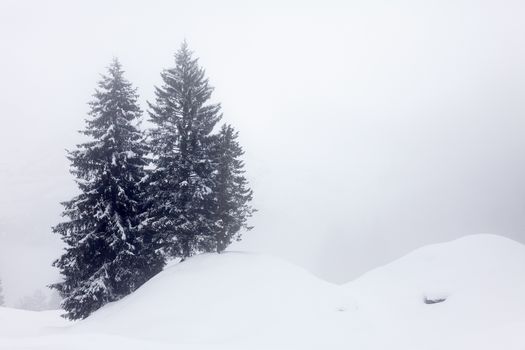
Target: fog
370,127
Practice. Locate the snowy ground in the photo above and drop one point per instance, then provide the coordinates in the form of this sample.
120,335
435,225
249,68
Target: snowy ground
246,301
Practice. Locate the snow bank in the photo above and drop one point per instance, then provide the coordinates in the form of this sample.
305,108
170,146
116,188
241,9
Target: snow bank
249,301
230,297
480,280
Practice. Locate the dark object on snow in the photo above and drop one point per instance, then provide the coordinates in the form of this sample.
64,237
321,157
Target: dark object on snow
427,300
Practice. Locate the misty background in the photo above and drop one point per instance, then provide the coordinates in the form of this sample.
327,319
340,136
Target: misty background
370,127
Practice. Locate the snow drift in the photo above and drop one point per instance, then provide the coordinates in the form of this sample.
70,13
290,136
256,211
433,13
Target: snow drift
480,280
221,298
464,294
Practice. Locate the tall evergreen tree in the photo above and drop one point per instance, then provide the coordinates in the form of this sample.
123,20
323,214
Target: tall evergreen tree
232,194
108,255
181,209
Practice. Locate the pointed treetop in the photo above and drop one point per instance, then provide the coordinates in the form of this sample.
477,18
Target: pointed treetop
183,54
184,48
115,65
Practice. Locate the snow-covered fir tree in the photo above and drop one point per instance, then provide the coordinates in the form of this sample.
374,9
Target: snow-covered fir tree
231,189
108,254
2,301
181,203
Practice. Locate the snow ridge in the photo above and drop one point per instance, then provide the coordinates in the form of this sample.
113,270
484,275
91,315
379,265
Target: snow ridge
250,301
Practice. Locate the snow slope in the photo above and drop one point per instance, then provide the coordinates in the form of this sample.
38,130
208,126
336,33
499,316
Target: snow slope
248,301
482,278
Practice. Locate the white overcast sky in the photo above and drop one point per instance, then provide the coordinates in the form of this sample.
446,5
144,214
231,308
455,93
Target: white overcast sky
370,127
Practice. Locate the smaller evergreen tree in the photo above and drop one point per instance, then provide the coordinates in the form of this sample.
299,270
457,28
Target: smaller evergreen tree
231,191
108,254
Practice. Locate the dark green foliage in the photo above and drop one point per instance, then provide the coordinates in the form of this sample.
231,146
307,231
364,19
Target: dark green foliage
231,189
181,198
108,253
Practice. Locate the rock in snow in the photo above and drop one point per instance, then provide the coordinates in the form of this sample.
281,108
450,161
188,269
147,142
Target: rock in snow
247,301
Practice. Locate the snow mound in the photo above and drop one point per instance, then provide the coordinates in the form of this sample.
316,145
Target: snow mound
452,295
215,298
464,294
486,266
